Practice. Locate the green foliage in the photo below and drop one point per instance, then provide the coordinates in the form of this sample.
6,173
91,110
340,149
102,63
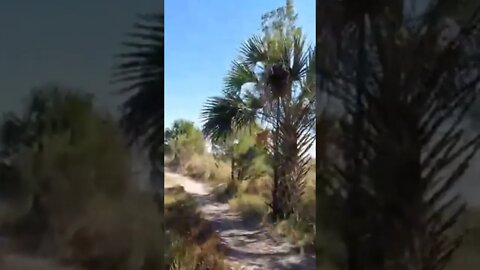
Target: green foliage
271,83
49,110
280,21
183,140
73,172
244,139
60,137
279,25
251,160
253,163
250,89
69,173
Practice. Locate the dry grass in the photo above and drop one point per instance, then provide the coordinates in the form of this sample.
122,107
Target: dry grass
118,234
252,207
194,243
249,197
205,168
108,233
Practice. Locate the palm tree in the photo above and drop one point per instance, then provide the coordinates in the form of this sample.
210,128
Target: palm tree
394,183
140,70
271,83
343,24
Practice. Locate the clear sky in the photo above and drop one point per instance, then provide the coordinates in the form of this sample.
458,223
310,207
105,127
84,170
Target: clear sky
201,40
67,42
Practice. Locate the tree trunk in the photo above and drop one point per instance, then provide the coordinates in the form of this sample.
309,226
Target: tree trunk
276,208
232,173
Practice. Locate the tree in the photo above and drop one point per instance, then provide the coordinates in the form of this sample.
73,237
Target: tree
271,82
141,71
50,109
248,157
414,87
183,139
343,23
64,152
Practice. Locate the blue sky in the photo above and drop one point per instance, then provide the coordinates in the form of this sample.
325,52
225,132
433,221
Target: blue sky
201,40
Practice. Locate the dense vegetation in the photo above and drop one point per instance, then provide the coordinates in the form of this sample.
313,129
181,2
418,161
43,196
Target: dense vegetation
388,156
68,193
406,81
246,186
68,189
271,84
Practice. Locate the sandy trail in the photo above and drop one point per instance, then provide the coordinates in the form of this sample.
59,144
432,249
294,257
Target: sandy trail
248,247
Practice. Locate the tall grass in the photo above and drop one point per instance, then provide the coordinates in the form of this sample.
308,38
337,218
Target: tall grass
202,167
191,240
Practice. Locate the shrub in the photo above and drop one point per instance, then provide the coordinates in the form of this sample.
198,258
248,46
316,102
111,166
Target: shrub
61,179
259,186
220,172
252,207
194,257
298,233
78,200
206,168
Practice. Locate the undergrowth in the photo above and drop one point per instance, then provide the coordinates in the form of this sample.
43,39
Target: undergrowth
192,243
250,196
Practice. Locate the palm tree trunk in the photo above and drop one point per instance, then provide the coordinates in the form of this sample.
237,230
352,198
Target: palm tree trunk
232,173
354,232
276,211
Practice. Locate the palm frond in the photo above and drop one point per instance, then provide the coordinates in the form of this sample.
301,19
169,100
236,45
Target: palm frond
300,58
222,116
407,163
140,70
254,51
239,75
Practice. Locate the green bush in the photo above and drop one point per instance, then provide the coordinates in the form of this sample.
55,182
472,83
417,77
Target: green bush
66,175
183,140
78,201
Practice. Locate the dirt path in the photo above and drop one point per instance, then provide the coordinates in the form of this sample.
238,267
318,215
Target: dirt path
248,247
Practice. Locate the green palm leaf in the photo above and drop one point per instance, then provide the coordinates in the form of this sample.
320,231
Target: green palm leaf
222,116
239,75
258,59
300,59
254,51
